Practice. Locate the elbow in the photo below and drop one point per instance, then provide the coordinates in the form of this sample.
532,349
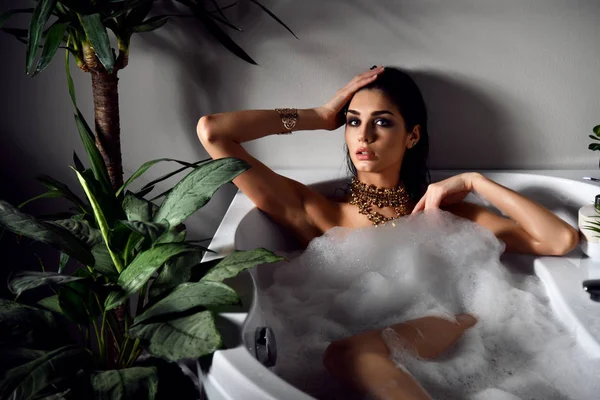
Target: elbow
205,130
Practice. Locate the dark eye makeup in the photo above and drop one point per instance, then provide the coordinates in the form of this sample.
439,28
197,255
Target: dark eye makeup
383,122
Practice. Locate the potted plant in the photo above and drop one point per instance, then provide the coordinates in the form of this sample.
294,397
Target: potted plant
139,284
125,246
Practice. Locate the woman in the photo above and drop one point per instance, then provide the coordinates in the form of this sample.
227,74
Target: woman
387,140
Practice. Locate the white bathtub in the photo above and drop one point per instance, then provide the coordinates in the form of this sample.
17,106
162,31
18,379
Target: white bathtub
236,374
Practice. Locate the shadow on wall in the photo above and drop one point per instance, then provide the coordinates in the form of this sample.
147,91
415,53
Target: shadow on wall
467,127
197,59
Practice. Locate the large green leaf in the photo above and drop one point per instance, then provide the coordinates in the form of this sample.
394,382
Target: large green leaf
78,164
14,356
51,194
197,188
81,229
150,185
26,225
191,336
103,262
78,301
150,230
239,261
175,271
101,221
25,381
51,303
26,326
57,189
138,209
146,166
54,38
98,37
96,160
188,296
27,280
62,262
173,235
125,384
596,130
70,83
40,16
141,268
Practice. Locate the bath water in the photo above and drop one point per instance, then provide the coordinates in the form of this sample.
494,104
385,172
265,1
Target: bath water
431,264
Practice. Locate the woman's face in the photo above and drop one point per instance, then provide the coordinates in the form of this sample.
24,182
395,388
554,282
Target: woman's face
374,123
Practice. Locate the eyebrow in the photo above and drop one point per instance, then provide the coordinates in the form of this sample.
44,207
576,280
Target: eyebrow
374,113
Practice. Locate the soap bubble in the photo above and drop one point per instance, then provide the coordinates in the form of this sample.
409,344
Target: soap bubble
429,264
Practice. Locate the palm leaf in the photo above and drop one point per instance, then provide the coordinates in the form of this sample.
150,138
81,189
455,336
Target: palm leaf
53,40
98,37
40,16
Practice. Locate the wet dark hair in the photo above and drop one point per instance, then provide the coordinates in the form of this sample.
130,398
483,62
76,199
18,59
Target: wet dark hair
402,90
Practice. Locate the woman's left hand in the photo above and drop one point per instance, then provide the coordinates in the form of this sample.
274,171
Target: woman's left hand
449,191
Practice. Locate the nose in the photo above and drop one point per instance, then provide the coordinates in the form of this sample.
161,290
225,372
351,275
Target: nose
365,134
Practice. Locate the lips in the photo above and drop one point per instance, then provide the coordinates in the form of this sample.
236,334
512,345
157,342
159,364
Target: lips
361,155
364,149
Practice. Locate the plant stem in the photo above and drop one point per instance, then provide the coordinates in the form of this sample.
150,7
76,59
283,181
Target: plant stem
113,326
107,121
98,338
103,334
124,350
135,352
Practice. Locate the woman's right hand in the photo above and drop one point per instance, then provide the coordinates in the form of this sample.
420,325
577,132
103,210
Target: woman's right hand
331,111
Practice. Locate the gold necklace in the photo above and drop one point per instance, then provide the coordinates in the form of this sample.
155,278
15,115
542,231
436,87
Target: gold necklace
365,196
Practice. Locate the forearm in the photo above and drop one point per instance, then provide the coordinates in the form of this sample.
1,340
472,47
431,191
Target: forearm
243,126
539,222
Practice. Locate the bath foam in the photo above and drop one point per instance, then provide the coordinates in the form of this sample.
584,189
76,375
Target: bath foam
431,264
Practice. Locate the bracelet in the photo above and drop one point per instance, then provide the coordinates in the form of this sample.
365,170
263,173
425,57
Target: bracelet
288,116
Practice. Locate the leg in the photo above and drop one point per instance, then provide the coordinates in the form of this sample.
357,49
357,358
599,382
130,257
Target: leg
363,362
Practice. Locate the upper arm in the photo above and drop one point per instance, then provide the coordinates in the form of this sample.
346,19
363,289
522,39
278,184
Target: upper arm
508,230
284,199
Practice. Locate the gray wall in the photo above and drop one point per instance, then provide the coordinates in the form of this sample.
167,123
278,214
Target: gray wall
509,84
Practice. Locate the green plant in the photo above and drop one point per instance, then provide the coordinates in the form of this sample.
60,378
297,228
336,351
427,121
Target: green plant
82,27
126,247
